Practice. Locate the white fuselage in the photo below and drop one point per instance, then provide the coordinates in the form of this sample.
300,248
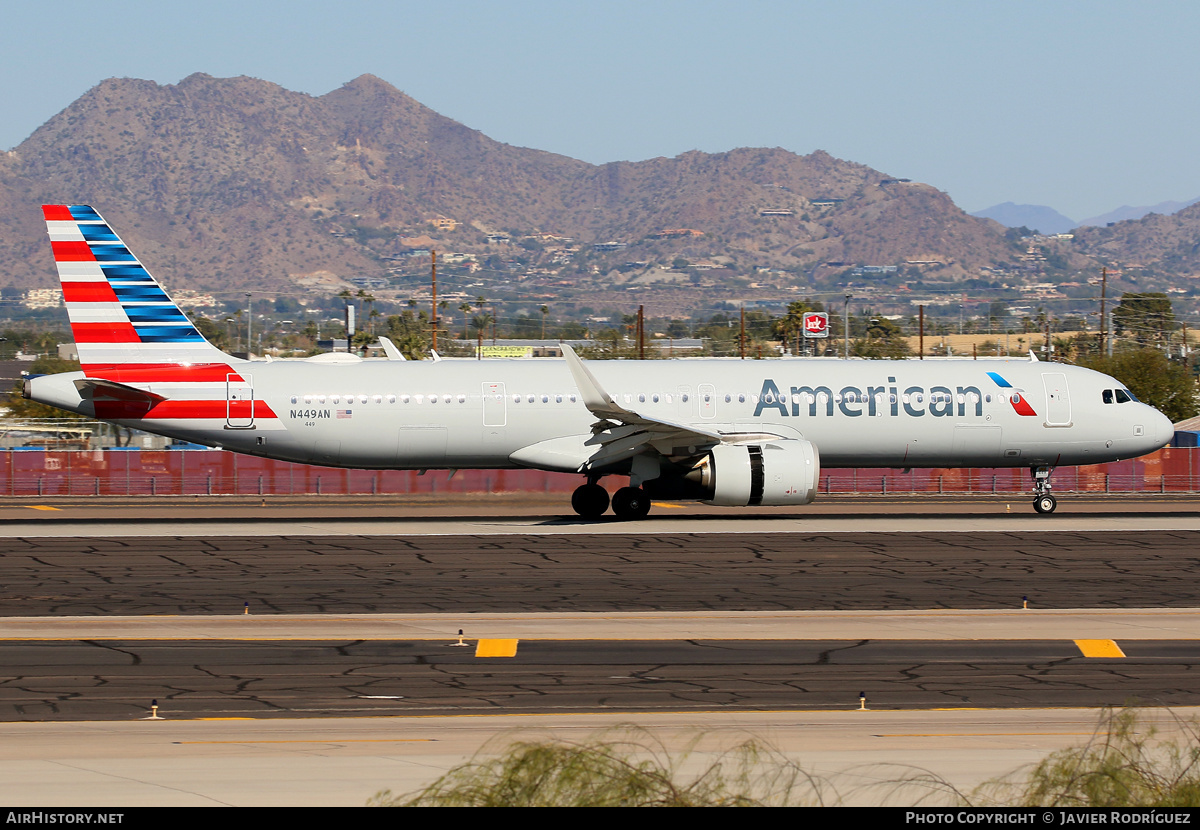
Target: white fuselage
482,414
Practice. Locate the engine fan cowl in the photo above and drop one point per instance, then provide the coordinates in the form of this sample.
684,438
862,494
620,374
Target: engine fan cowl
779,472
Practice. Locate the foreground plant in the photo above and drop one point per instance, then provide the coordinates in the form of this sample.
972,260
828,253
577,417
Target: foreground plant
1124,764
631,770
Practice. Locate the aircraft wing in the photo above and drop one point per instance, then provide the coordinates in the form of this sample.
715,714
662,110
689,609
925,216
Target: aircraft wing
622,433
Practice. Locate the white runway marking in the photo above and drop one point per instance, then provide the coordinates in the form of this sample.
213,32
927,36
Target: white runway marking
744,522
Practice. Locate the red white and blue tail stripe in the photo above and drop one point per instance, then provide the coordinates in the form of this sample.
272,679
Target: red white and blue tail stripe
142,358
119,313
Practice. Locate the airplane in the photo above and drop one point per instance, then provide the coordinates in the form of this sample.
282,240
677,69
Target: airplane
720,431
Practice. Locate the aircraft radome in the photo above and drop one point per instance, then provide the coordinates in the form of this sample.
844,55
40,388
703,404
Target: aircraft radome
726,432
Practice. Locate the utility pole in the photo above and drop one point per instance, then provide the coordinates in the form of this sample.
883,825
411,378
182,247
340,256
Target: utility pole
921,329
641,331
742,335
846,327
249,321
433,279
1103,291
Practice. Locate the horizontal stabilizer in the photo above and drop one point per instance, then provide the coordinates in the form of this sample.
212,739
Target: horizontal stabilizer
107,390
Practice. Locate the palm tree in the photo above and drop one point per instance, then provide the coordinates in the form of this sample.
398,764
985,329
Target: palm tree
443,306
480,322
545,310
465,308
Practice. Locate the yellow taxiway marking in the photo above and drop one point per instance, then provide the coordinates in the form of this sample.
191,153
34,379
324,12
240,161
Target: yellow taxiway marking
42,507
318,740
973,734
668,504
496,648
1099,648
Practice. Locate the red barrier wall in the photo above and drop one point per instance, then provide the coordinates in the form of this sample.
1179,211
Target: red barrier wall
200,472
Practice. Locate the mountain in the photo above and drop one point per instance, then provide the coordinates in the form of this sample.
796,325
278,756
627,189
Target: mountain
237,183
1168,245
1038,218
1125,212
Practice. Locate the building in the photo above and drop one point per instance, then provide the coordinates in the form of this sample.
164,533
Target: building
43,298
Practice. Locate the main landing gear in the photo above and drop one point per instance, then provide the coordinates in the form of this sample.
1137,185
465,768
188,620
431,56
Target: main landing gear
1043,502
631,503
591,500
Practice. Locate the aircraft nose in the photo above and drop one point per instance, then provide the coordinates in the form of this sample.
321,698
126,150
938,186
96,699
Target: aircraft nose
1164,430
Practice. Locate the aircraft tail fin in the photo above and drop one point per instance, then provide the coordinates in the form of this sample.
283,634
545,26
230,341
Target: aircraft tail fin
120,316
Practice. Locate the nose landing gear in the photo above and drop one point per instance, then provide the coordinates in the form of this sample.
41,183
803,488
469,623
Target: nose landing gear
1043,502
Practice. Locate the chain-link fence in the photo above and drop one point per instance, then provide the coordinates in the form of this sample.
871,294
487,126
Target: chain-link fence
38,472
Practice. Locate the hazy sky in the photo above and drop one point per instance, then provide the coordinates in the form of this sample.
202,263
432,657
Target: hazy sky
1083,106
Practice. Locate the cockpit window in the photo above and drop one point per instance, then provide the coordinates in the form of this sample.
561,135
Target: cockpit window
1123,396
1132,396
1107,394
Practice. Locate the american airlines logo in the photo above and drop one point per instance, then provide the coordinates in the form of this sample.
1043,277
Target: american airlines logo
913,401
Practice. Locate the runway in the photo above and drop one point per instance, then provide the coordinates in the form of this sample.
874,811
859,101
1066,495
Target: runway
690,618
574,572
540,514
117,679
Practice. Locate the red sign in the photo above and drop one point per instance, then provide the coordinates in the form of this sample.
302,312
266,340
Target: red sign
816,324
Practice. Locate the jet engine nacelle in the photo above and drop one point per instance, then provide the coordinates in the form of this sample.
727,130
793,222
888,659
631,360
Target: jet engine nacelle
779,472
